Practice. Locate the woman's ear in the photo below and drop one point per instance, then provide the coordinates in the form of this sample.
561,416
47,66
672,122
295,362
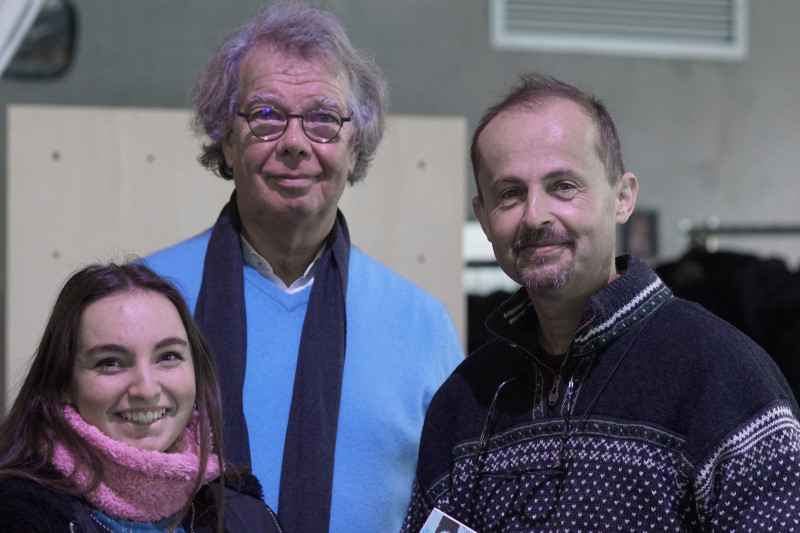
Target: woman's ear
66,398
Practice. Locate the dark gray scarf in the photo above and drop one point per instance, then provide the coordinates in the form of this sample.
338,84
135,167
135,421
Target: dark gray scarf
307,470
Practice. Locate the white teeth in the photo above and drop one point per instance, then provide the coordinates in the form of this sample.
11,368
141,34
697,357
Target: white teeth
144,418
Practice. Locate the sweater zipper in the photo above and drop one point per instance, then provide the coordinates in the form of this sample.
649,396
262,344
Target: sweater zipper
553,396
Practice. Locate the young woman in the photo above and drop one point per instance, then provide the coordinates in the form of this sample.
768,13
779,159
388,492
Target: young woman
114,428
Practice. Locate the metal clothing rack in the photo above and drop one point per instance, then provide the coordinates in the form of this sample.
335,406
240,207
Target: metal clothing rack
702,235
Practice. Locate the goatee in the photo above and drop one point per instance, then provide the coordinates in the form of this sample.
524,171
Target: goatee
542,276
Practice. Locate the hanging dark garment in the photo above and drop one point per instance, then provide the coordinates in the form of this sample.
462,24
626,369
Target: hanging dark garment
761,297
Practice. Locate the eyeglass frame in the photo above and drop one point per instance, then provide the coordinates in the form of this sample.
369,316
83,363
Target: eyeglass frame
559,467
483,442
290,116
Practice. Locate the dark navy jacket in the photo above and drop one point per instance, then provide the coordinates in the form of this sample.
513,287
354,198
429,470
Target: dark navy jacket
28,507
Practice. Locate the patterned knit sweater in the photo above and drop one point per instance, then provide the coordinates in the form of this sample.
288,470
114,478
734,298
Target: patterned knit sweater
677,422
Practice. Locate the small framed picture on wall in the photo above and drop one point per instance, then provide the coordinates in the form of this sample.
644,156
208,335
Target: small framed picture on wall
640,234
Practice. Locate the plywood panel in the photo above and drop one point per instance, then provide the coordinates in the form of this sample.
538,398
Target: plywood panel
87,184
409,211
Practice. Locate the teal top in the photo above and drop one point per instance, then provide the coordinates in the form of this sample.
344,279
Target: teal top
118,525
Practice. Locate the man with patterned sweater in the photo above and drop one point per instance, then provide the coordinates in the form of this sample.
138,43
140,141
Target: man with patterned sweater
603,403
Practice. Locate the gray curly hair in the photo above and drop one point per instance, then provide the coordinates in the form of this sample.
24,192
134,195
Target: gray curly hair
306,33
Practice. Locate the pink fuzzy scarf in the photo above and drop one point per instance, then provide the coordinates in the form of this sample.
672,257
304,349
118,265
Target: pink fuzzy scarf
138,485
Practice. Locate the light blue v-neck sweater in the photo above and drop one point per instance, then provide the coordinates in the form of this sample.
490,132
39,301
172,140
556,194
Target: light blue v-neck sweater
401,345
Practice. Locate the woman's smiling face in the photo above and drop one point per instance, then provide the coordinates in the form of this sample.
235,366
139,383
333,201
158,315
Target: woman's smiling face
133,376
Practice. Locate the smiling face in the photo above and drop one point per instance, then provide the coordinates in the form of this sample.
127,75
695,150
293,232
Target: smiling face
292,178
547,205
133,376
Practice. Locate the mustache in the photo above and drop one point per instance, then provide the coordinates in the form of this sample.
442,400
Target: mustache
542,237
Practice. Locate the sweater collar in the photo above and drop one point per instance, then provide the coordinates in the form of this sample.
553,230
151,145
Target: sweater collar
620,305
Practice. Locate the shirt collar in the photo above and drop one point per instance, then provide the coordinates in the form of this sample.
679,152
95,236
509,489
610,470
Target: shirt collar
258,262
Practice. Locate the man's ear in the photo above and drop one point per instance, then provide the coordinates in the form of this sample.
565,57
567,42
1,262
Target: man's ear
227,149
627,188
353,160
480,214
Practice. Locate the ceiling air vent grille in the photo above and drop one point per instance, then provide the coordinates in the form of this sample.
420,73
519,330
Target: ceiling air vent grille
696,29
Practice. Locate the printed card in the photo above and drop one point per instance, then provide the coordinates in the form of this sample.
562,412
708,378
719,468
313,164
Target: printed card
439,522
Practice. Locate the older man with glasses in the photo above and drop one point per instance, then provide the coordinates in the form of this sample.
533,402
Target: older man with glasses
603,403
327,359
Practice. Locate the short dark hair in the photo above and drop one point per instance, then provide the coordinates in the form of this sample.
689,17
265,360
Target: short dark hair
36,419
532,90
297,31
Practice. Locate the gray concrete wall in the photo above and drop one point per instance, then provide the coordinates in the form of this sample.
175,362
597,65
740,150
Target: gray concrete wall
704,137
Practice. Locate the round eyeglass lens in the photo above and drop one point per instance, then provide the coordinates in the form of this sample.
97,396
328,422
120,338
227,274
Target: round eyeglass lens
267,123
322,124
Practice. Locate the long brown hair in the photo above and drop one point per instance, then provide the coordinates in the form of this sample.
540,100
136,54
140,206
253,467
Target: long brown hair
36,420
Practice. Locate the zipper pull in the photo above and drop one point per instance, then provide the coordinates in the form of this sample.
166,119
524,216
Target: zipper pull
570,388
553,398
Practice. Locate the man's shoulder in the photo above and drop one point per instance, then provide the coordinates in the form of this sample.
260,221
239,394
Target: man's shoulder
177,254
694,358
691,324
367,273
696,342
390,305
182,264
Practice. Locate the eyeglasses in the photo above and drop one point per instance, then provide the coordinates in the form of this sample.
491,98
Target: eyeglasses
491,420
319,125
516,488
